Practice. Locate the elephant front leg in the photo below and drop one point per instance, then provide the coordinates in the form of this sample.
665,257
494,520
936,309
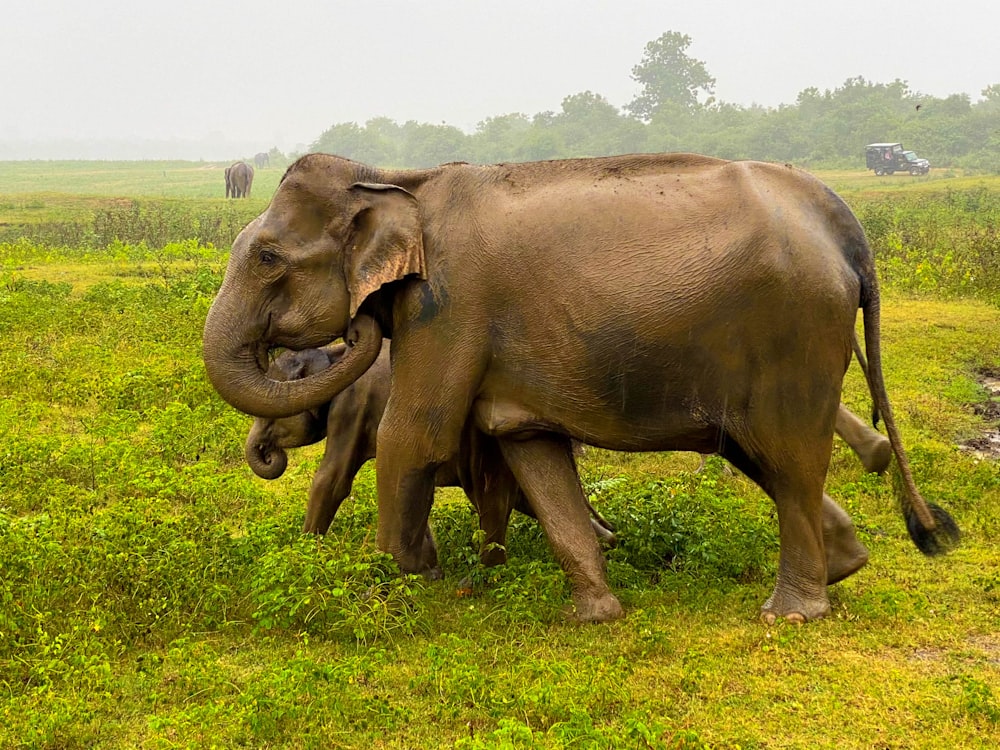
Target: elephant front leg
330,487
404,506
545,470
347,450
492,489
405,469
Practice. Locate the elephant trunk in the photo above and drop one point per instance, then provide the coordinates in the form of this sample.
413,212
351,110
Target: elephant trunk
267,461
236,365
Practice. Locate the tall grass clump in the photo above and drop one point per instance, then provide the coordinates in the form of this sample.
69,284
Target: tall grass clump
944,243
136,221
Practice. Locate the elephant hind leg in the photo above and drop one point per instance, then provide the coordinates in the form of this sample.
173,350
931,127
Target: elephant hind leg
844,553
872,448
544,467
796,487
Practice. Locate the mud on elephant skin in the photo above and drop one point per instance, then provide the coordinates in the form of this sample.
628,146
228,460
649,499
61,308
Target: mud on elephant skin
643,303
349,424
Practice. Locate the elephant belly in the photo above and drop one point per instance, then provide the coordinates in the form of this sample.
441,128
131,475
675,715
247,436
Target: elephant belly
676,431
686,386
631,410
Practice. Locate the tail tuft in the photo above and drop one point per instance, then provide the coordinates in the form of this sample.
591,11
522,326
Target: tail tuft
944,537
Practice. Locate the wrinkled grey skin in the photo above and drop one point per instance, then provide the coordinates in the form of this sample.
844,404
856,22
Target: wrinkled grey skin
261,160
239,179
349,424
644,302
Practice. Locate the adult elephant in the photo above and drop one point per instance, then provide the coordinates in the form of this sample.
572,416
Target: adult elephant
645,302
239,179
261,160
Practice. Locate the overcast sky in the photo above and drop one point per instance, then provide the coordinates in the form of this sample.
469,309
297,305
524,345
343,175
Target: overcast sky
278,73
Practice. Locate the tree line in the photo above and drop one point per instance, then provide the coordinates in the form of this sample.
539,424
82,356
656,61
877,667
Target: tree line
676,111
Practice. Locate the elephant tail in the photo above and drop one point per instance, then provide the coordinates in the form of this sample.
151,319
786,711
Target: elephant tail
863,363
931,527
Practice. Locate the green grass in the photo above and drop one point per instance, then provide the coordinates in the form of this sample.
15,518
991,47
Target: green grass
155,594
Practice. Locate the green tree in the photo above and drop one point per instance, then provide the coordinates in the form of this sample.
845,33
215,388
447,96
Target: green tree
589,125
428,145
669,76
497,138
541,141
350,140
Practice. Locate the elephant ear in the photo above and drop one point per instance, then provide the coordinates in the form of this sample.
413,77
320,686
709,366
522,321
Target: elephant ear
387,243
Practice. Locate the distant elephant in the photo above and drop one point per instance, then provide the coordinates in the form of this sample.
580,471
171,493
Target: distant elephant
644,302
261,160
349,424
239,178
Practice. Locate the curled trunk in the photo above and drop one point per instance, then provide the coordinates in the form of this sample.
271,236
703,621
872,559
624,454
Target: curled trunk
237,366
267,461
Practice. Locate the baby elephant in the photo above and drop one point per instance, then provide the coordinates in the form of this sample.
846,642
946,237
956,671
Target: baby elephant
350,423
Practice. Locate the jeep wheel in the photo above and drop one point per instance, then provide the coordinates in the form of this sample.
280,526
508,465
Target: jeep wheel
879,171
915,171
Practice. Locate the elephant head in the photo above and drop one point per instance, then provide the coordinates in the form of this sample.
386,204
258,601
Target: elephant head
329,246
268,439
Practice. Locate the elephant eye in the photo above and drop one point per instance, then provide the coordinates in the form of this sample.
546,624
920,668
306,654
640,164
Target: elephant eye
268,257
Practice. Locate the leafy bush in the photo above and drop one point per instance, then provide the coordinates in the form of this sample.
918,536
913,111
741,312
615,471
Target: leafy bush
946,244
313,585
698,523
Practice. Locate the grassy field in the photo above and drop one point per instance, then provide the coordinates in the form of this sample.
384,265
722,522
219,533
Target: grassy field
155,594
151,179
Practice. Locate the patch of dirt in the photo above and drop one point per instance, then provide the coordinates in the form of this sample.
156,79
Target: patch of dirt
928,654
987,445
989,645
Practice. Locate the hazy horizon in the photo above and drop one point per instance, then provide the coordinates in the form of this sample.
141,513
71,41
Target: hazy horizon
219,80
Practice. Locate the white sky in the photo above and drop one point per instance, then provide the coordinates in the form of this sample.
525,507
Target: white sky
279,73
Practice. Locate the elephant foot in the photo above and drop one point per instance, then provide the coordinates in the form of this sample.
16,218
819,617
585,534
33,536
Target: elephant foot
422,560
875,456
493,555
796,610
844,553
602,608
871,446
845,563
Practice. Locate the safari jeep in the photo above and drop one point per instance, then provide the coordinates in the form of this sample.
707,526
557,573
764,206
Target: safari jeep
887,158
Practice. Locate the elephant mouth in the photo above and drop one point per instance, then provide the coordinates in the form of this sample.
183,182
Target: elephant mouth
273,342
